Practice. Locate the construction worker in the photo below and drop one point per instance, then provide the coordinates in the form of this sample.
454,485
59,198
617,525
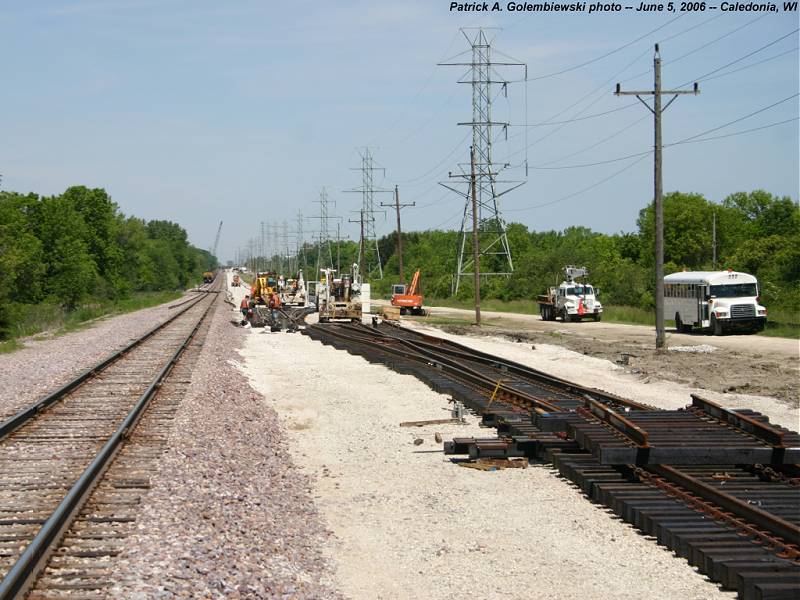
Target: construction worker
244,307
274,305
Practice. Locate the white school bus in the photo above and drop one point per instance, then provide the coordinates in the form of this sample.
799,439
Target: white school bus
716,301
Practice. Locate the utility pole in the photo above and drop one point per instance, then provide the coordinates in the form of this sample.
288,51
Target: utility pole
476,255
714,237
261,251
658,206
361,249
397,206
338,249
300,243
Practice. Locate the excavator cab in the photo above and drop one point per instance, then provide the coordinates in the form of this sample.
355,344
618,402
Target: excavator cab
407,298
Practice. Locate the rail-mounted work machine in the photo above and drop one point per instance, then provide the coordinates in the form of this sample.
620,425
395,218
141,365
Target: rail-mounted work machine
341,298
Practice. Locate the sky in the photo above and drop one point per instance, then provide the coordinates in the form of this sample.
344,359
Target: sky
242,111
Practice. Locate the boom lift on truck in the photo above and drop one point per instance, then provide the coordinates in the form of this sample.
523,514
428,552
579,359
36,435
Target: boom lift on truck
407,298
571,300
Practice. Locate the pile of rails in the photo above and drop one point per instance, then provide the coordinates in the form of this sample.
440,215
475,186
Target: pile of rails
720,488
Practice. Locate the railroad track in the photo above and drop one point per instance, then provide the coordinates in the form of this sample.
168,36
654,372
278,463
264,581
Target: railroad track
720,488
74,466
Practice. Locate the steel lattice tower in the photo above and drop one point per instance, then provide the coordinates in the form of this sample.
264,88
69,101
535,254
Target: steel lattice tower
324,232
371,252
493,244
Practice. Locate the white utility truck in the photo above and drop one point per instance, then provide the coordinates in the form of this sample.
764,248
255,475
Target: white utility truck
716,301
571,300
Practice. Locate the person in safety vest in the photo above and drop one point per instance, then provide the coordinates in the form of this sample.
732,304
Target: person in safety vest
274,305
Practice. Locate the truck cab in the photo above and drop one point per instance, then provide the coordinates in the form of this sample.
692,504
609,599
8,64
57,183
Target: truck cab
577,301
571,300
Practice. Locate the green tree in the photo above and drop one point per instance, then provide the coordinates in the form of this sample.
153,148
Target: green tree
70,269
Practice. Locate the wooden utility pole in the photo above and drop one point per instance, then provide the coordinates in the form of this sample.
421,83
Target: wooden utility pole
476,255
713,237
658,183
397,206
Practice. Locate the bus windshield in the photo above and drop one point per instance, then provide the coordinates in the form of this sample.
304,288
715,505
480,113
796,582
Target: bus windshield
734,290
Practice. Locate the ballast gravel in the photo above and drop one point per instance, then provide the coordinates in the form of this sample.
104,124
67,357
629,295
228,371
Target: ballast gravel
46,362
229,514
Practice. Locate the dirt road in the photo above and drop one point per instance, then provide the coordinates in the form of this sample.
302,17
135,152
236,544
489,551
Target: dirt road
747,364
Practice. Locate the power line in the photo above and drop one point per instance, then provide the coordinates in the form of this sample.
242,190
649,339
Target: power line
603,141
584,190
715,40
417,95
607,54
584,118
644,155
683,141
458,146
741,58
727,135
760,62
747,116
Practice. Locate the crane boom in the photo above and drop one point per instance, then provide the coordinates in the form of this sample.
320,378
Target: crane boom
412,290
216,241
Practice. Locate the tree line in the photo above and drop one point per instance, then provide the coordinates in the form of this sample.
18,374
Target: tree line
68,248
756,232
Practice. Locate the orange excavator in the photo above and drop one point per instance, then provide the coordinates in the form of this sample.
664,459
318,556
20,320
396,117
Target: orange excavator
407,298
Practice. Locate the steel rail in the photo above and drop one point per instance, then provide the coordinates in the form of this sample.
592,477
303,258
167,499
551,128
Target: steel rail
437,344
735,511
26,414
27,567
530,402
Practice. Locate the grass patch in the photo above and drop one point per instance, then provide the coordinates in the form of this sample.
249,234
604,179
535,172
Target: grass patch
629,314
10,346
30,319
782,323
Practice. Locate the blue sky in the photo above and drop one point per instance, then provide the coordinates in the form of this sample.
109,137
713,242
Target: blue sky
199,111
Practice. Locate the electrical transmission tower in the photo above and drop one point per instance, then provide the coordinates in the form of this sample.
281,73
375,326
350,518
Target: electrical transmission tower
324,239
484,77
300,243
368,245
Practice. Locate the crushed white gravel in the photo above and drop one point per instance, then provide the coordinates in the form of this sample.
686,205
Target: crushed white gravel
701,349
229,515
410,524
47,362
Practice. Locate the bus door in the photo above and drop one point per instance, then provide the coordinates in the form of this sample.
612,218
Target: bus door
702,305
